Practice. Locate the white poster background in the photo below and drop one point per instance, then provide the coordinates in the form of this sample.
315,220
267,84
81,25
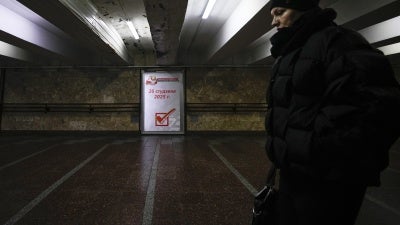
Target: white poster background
162,102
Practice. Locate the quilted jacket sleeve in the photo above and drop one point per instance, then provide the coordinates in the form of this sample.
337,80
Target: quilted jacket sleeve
359,118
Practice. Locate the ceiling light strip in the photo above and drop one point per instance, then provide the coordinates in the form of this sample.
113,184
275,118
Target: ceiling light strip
390,49
382,31
207,11
133,30
15,52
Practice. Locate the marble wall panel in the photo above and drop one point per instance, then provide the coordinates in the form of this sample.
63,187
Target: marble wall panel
90,85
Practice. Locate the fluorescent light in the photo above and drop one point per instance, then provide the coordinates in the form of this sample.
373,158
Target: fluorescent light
133,30
390,49
14,52
382,31
209,7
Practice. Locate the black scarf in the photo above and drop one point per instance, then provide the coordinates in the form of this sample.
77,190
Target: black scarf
290,38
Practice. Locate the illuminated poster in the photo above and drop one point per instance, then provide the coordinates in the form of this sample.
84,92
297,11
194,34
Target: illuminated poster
162,102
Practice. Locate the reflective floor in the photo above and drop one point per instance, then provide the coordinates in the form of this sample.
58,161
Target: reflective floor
160,180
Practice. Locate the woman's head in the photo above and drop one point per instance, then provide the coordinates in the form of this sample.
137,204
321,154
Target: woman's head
286,12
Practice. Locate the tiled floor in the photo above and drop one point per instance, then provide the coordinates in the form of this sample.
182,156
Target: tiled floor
159,180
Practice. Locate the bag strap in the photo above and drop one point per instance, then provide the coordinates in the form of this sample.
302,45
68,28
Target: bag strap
271,175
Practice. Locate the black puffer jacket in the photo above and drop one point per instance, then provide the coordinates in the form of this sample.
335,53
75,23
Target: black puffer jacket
334,105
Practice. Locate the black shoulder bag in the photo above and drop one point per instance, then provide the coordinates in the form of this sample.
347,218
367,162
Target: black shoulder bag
265,210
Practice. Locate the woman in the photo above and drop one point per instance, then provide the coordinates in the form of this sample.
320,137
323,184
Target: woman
333,101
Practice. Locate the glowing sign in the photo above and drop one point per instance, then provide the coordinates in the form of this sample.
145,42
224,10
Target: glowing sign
162,102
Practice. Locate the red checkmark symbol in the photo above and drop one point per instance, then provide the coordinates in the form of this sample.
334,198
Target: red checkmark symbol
161,119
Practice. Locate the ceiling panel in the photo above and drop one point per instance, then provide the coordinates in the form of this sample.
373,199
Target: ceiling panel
172,32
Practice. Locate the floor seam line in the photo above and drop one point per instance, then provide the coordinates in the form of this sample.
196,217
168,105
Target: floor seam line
243,180
149,204
382,204
50,189
27,157
393,170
